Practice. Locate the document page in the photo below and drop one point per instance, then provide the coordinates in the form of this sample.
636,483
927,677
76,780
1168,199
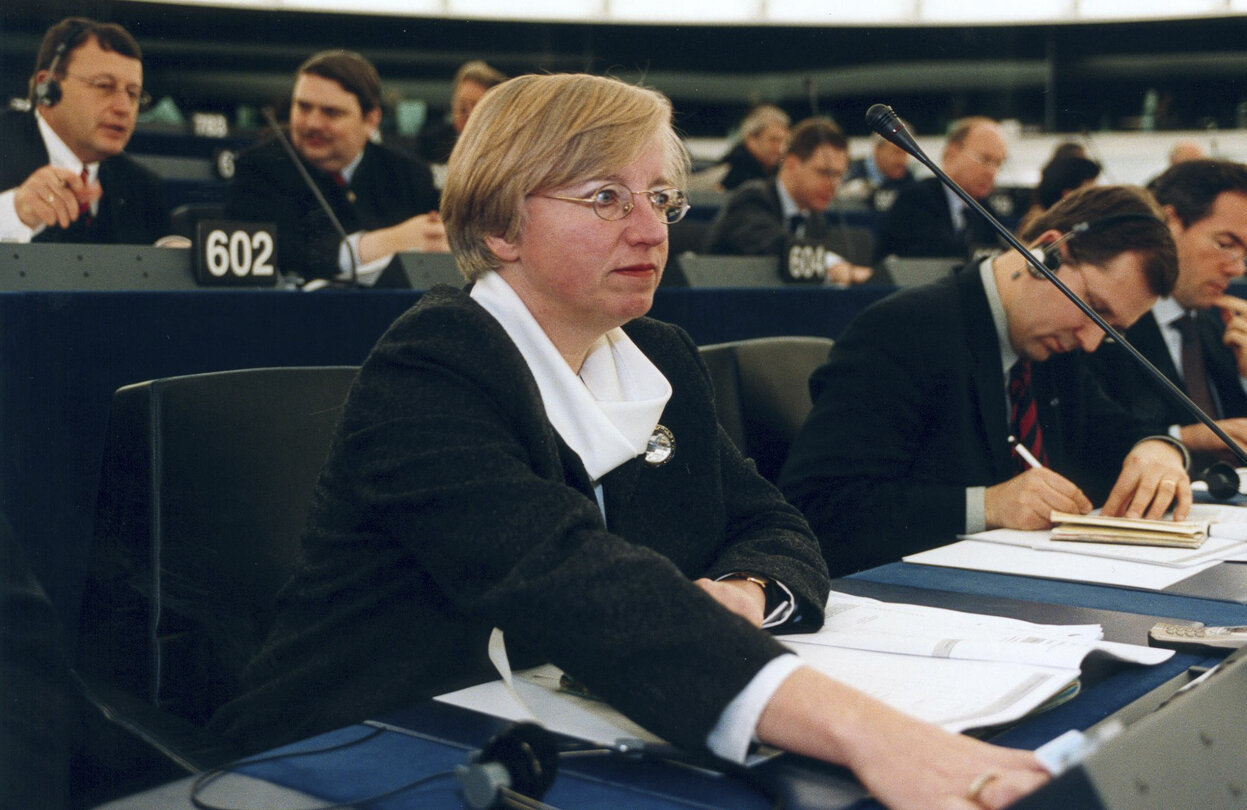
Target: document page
867,624
999,557
956,669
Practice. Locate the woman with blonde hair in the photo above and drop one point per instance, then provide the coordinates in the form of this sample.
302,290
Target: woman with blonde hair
536,456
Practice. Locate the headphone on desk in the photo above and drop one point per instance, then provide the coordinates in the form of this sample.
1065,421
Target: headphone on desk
1050,254
514,769
48,92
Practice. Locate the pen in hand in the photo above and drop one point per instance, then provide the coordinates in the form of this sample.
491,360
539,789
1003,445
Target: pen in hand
1026,455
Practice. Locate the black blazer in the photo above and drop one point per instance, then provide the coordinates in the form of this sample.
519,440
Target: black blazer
132,210
1145,399
387,188
752,223
919,223
449,505
910,410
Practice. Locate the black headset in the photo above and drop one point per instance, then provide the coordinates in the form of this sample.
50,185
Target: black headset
514,769
48,91
1050,253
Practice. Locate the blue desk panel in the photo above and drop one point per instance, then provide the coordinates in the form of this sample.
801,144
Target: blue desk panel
440,736
1149,603
430,740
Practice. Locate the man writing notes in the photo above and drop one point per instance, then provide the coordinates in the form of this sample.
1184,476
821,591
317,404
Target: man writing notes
64,174
763,216
1197,336
384,199
929,220
907,444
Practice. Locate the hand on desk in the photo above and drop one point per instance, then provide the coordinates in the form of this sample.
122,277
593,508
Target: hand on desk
904,763
53,197
742,597
846,274
423,232
1153,478
1026,500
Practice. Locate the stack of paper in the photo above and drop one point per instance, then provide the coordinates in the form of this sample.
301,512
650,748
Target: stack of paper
1128,531
1037,554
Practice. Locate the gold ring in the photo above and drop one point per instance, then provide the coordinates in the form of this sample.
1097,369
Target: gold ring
981,781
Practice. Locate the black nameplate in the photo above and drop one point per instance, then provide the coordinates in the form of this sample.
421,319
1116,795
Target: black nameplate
804,263
235,254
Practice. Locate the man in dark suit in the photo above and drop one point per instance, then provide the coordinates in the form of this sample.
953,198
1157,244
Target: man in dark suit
877,178
763,134
764,216
64,174
907,443
384,200
927,219
1198,335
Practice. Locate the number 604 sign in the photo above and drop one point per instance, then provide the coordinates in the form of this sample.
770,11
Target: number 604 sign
235,253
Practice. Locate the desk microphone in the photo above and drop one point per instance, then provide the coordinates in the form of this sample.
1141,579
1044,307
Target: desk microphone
883,119
311,184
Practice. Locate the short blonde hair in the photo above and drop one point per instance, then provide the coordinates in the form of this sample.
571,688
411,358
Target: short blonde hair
535,133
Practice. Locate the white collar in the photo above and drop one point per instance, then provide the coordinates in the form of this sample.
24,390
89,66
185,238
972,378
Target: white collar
348,171
1008,355
1166,310
787,204
60,155
607,413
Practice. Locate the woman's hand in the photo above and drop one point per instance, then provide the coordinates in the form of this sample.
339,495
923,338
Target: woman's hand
742,597
905,763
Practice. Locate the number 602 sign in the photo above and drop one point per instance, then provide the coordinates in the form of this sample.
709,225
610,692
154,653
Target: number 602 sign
235,253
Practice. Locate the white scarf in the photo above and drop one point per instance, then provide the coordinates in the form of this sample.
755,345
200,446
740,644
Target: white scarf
608,413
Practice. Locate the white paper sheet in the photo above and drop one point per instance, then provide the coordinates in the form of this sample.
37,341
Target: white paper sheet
867,624
977,555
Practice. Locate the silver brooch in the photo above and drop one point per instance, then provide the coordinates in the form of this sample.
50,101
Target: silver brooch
660,447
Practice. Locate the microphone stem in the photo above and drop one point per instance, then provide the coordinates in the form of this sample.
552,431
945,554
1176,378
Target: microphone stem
311,184
1099,321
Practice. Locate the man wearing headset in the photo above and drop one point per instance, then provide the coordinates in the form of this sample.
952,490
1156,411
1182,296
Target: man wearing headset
907,444
64,174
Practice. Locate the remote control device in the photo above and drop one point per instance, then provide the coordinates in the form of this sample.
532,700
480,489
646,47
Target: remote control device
1196,637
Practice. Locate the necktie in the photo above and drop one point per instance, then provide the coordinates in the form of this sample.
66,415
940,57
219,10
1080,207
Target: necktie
1024,416
1194,373
796,224
340,179
84,209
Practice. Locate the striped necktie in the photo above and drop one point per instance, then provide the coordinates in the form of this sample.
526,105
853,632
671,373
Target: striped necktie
1024,416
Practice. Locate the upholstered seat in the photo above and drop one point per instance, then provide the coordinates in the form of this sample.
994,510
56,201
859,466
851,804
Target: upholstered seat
762,392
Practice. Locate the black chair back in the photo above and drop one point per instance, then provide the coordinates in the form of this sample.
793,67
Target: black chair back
204,494
762,394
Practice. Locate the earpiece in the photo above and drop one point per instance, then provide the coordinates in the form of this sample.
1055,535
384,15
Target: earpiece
1050,254
48,91
518,764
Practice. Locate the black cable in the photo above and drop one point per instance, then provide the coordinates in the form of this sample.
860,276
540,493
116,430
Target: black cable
208,777
670,754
